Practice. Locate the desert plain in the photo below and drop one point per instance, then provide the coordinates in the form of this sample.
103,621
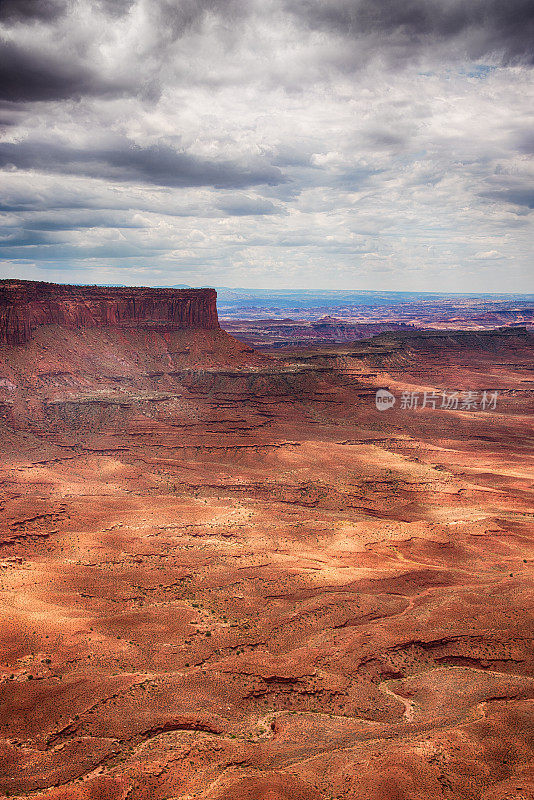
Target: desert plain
226,575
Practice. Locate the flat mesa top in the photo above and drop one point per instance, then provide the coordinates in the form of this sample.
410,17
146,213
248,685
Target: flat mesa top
20,291
24,305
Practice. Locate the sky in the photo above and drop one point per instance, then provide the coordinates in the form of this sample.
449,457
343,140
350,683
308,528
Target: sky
349,144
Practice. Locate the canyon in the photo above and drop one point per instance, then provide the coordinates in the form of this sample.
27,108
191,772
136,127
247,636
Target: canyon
226,575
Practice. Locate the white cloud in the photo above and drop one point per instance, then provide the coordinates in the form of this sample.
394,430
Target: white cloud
489,254
305,163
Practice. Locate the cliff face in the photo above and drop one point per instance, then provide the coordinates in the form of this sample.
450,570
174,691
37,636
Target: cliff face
27,304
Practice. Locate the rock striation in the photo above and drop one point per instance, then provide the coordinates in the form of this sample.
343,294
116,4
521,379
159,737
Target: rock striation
26,304
227,575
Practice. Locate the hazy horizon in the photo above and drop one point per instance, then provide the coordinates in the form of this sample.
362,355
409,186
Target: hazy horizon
256,292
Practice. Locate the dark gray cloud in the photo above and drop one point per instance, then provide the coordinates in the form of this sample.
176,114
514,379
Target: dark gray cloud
525,142
159,165
14,11
178,17
115,8
25,239
517,197
477,28
396,31
30,72
30,75
76,221
63,251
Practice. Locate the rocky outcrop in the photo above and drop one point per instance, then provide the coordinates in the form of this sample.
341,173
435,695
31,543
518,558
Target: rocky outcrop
27,304
274,333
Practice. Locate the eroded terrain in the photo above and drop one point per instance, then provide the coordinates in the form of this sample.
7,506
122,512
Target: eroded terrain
226,575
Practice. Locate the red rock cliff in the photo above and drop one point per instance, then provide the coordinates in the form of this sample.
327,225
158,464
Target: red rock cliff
26,304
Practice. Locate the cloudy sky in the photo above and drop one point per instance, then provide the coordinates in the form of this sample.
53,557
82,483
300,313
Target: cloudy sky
362,144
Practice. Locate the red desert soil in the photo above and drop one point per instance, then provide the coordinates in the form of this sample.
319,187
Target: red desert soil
226,576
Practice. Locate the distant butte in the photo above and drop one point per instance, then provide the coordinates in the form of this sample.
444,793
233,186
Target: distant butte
26,304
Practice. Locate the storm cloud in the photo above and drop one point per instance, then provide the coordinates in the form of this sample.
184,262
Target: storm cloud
160,165
472,29
28,75
268,142
15,11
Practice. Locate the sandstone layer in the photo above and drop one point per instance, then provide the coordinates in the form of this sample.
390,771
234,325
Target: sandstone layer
27,304
228,576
